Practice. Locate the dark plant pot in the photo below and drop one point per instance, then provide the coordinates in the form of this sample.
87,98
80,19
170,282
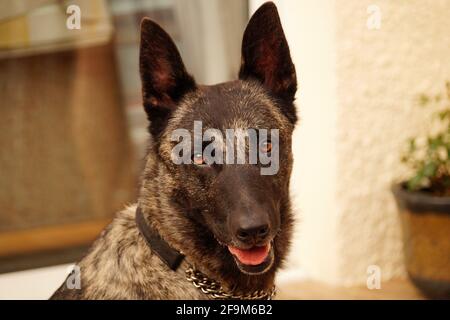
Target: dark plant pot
426,234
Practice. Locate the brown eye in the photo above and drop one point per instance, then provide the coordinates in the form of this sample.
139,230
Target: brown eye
197,159
266,147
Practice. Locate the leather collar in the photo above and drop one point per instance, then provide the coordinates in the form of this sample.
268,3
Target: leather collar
171,257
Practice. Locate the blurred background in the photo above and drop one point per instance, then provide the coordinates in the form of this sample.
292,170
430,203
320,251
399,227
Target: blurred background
73,132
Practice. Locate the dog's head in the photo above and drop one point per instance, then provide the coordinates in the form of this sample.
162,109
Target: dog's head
240,206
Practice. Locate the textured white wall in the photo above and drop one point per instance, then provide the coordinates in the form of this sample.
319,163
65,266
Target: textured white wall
355,99
380,73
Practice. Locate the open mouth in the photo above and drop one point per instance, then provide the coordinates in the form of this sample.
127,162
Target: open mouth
255,260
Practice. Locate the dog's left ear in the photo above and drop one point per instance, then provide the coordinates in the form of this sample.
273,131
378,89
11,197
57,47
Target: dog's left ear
164,78
266,57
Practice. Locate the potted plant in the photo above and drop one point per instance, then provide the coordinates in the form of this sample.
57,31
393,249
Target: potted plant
424,203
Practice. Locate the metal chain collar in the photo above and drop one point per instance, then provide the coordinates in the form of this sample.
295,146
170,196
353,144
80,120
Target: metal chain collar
215,290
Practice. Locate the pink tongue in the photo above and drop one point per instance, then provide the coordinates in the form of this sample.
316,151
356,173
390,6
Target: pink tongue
253,256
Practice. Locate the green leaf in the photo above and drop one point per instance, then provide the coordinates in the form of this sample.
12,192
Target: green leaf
436,142
412,145
415,182
423,100
429,169
444,114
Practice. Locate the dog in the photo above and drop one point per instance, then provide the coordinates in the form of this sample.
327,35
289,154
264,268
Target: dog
199,230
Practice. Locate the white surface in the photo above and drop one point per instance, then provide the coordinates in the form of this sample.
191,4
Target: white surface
356,103
32,284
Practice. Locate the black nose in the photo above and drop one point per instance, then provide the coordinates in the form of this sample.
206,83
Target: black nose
253,234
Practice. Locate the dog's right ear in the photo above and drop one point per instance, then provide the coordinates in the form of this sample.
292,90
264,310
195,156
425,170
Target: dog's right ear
164,78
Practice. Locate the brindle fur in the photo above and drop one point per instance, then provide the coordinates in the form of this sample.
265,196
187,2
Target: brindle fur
189,206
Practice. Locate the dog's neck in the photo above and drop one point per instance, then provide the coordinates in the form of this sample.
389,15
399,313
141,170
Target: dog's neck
197,243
